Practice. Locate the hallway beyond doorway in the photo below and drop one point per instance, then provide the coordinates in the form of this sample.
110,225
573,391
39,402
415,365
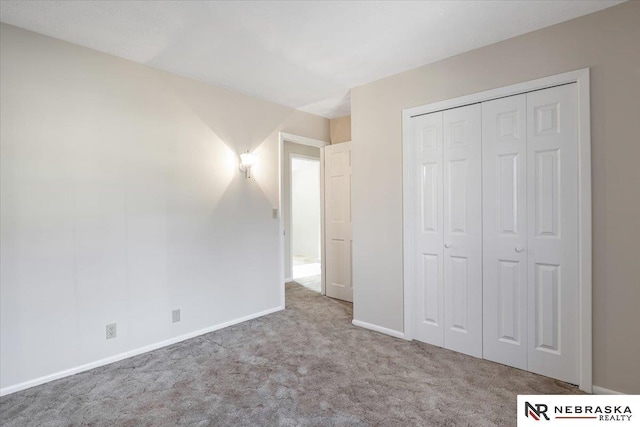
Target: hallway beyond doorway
306,271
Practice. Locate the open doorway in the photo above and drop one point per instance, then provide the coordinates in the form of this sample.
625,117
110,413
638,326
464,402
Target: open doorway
305,230
325,269
308,228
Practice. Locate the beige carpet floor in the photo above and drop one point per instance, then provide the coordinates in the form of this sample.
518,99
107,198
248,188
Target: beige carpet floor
311,282
304,366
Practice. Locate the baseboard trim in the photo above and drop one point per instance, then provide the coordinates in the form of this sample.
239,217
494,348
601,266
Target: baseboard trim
141,350
601,390
382,330
288,279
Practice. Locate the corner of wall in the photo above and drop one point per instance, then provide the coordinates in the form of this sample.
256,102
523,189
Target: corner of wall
340,129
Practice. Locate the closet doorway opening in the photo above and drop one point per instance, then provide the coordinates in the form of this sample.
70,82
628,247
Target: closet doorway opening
306,221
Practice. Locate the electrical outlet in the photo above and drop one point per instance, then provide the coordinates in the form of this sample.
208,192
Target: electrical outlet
274,213
175,315
112,331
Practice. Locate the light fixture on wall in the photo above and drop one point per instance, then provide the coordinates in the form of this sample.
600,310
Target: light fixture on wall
247,160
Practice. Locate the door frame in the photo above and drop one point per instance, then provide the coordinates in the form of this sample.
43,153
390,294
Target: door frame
581,78
290,201
302,140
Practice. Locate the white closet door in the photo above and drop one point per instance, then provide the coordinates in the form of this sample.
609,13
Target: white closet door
463,229
552,185
504,154
428,309
337,187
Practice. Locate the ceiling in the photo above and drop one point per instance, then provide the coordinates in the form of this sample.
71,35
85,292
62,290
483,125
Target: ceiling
306,54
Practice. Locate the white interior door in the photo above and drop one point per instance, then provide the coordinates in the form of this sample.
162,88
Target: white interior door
428,258
504,154
338,221
552,186
462,133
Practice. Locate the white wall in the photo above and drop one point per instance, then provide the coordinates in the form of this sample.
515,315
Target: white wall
607,42
121,200
305,208
288,149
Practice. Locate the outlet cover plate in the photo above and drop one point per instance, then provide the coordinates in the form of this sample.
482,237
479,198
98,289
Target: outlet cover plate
112,331
175,316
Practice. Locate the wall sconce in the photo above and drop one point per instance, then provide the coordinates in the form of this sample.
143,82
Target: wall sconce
247,160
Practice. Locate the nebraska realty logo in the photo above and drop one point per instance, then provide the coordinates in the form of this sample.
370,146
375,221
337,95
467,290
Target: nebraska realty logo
578,410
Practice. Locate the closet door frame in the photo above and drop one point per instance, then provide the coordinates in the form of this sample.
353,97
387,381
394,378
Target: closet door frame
581,78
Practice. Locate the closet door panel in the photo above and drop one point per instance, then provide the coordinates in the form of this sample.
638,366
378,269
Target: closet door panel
428,259
552,185
463,230
504,152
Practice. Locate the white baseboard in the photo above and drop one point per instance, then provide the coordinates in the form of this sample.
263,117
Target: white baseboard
382,330
601,390
47,378
288,279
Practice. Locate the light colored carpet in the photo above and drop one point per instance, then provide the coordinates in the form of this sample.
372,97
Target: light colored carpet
305,366
312,282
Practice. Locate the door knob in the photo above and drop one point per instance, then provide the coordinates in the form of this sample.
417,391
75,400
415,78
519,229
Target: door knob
519,249
447,245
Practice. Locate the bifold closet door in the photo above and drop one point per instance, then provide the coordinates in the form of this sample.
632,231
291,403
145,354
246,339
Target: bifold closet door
504,181
530,234
552,215
463,229
448,258
428,258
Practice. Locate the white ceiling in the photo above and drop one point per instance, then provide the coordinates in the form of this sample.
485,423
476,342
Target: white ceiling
305,54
